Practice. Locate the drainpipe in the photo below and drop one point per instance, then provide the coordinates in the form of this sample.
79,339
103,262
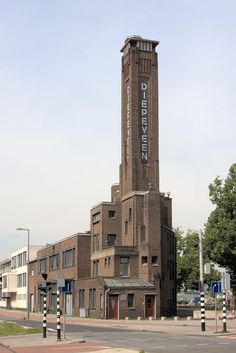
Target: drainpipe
105,306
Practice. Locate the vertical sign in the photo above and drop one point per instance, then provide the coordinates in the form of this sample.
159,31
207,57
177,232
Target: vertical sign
127,147
144,119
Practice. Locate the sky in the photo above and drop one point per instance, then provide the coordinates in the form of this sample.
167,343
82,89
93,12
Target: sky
60,107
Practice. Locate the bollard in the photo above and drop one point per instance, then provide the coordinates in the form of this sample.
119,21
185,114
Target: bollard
203,325
58,317
45,315
224,311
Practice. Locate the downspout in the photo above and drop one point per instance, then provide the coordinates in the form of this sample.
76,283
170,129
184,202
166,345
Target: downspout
105,306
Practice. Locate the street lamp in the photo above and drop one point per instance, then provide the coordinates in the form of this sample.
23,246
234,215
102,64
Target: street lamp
28,243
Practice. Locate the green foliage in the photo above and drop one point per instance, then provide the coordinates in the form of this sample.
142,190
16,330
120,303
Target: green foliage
141,350
188,261
220,231
12,329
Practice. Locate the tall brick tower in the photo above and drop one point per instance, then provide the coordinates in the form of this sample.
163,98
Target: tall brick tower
132,241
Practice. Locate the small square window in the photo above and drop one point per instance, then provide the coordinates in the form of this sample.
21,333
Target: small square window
154,260
111,214
144,260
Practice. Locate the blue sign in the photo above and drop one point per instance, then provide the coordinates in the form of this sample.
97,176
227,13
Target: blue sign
216,287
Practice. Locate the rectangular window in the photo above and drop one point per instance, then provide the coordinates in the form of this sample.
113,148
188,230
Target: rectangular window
4,282
20,280
81,298
92,298
154,260
111,239
24,261
42,265
96,242
112,214
130,300
32,267
68,257
101,301
144,260
124,266
126,227
54,262
130,214
96,217
95,268
19,260
13,262
23,279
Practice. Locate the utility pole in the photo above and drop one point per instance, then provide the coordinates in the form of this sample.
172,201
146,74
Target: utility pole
201,283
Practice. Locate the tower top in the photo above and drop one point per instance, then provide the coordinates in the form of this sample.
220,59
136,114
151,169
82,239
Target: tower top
139,42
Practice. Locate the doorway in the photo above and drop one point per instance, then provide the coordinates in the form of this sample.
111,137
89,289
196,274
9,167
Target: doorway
113,307
68,300
149,306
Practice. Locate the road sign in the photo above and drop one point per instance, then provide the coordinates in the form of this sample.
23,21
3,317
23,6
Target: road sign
216,287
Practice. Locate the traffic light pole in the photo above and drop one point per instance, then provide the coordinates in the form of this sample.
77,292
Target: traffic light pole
203,325
45,315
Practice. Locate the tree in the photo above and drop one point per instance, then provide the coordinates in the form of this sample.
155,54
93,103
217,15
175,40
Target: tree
188,274
220,230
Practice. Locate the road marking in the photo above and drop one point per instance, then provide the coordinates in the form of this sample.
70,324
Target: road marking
157,347
181,345
121,340
202,344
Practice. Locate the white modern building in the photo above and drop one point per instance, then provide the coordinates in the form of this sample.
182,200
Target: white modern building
14,281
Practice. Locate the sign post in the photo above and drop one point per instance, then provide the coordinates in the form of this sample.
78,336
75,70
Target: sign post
216,288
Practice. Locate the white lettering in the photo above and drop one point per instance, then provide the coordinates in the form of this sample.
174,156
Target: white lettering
144,130
144,120
144,156
144,104
143,86
144,111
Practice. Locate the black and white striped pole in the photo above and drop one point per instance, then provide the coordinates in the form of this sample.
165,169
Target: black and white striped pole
45,315
58,317
224,311
203,324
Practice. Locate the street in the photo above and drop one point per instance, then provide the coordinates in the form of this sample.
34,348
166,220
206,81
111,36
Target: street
96,337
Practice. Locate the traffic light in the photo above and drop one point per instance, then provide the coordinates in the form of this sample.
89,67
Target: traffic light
42,288
45,276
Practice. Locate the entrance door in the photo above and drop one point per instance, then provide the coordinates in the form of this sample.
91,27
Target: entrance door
69,304
31,303
149,305
113,307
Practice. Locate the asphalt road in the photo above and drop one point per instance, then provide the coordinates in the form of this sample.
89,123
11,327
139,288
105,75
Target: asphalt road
149,340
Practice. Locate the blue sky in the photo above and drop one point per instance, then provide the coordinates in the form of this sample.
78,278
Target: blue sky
60,107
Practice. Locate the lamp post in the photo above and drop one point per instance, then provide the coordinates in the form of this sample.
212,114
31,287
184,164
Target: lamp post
28,243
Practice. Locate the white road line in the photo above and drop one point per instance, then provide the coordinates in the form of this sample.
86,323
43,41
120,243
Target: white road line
181,345
202,344
121,340
157,347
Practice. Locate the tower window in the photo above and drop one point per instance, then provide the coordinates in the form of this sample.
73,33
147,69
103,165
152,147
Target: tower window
124,266
154,260
126,227
111,239
112,214
130,214
144,260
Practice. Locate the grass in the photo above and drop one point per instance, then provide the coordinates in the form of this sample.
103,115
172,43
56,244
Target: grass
12,329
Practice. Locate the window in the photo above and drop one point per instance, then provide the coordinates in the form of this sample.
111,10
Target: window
81,298
42,265
95,268
124,266
54,262
96,217
21,280
96,242
24,258
111,239
101,301
32,267
13,262
130,300
105,262
144,260
68,257
4,282
130,214
126,227
154,260
112,214
19,260
92,298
